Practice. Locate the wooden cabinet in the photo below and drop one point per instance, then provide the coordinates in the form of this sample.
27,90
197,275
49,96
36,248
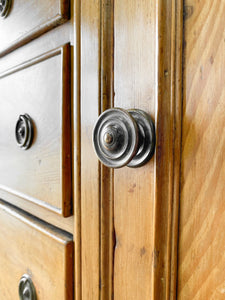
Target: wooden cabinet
153,232
36,206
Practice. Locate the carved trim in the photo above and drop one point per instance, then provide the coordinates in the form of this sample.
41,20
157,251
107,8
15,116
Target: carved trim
170,39
107,174
31,62
76,146
178,100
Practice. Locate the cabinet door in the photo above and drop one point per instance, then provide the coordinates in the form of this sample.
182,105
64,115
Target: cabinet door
126,58
201,236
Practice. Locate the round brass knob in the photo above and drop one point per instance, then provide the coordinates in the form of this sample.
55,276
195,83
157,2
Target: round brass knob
124,138
5,6
24,131
26,288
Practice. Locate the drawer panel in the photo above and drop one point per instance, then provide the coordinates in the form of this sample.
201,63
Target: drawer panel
29,19
29,246
41,89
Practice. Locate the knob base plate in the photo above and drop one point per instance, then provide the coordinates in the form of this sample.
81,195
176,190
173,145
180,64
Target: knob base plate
146,134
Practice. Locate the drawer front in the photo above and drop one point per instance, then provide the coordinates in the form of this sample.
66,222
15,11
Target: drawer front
29,247
41,89
27,20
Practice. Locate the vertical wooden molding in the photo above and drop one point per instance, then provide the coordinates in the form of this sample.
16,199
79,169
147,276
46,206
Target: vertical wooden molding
178,100
168,125
107,91
90,106
77,152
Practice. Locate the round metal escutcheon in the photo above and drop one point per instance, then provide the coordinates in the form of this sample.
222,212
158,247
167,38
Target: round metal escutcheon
115,138
5,6
26,288
24,131
147,139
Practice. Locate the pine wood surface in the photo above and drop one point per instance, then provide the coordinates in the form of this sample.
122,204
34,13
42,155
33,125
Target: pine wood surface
52,39
128,217
134,75
28,245
28,20
90,167
201,261
47,163
31,247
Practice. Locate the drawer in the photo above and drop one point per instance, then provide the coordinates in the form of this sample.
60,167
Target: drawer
32,248
27,20
40,88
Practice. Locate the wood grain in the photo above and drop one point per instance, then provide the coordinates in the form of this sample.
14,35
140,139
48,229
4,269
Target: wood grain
176,100
41,88
76,141
147,74
107,175
61,35
202,210
90,167
96,182
37,78
31,247
168,120
28,20
134,75
40,212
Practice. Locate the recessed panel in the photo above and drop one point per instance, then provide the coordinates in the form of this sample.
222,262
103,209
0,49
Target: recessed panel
27,20
39,88
31,248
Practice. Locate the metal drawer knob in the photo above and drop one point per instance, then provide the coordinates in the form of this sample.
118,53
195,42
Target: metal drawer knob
26,288
5,6
24,131
124,138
